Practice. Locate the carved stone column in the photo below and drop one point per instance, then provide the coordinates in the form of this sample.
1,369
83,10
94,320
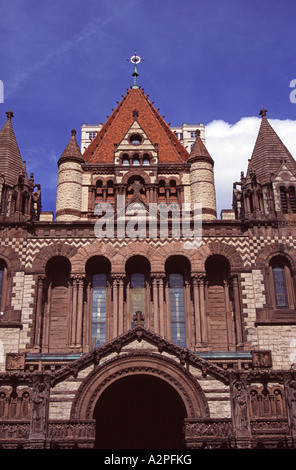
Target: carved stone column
80,287
155,305
203,315
167,311
237,312
120,304
229,321
38,312
115,306
197,315
161,304
188,315
74,311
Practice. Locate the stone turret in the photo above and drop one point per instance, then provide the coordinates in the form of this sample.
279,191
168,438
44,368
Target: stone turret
202,179
69,187
20,197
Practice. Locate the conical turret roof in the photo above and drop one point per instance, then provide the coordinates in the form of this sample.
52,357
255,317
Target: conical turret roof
11,165
199,150
72,150
269,153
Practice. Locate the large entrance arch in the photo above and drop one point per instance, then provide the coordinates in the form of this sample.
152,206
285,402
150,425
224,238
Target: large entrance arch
139,412
139,392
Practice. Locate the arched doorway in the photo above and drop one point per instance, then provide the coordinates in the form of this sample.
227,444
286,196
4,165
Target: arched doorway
139,412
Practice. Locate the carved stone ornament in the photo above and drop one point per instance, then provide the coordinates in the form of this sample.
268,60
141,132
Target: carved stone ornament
15,361
240,406
261,359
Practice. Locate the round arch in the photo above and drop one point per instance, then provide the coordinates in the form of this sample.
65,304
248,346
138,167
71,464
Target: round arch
126,365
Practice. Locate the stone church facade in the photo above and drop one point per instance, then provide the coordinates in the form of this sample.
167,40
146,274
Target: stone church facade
134,339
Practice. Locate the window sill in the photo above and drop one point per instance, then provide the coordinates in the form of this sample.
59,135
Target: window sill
268,315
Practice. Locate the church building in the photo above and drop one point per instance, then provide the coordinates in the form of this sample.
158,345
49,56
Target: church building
135,318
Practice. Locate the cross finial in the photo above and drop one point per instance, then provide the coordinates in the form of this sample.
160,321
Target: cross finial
9,114
135,59
138,318
263,112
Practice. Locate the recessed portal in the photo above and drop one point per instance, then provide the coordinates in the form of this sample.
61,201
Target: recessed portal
140,412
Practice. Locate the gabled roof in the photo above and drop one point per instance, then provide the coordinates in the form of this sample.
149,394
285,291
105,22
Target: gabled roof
11,164
269,153
139,333
135,102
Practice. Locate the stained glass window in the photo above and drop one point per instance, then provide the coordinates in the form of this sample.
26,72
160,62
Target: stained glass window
98,326
280,287
176,283
137,293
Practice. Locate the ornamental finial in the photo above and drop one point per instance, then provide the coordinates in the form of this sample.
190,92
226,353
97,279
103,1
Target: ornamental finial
135,59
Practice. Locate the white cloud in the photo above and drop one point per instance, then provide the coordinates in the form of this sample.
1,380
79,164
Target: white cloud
231,145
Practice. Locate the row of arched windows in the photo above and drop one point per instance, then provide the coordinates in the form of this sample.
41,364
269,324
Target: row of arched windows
165,191
190,309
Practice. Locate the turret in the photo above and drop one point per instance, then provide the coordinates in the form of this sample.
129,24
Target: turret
202,179
69,187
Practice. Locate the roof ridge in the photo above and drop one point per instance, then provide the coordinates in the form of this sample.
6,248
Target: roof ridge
154,125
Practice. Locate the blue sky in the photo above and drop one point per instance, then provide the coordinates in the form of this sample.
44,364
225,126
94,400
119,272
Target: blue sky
63,63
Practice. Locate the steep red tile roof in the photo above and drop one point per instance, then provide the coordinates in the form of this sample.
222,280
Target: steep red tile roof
11,164
269,153
101,149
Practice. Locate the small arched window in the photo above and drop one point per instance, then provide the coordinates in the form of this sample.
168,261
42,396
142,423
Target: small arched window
283,286
125,159
280,286
146,159
136,160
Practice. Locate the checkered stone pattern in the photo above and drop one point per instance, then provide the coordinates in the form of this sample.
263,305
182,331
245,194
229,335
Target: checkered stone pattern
258,243
19,246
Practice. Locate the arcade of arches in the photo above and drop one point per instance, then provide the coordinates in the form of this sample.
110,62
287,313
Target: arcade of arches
193,309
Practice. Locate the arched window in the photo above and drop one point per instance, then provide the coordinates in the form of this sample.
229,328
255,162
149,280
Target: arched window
137,288
146,159
283,286
137,294
55,321
219,299
178,269
280,286
98,319
177,302
98,297
125,159
136,160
